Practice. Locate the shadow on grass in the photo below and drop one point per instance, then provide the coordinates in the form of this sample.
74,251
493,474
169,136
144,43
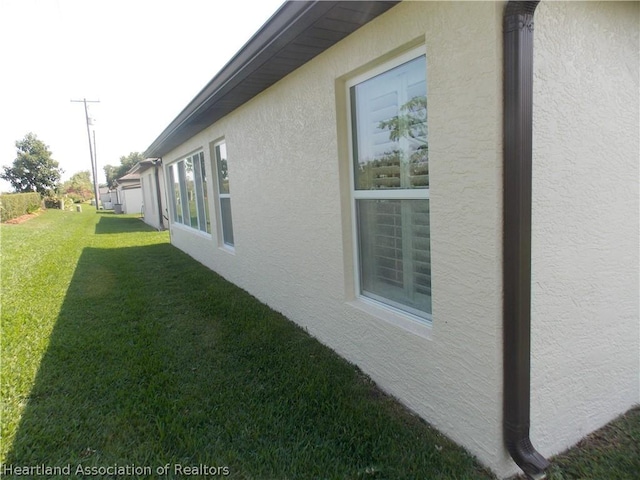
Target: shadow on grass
155,360
110,223
103,354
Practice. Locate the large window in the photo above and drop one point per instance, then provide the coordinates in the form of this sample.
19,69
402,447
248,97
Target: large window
224,193
390,184
188,184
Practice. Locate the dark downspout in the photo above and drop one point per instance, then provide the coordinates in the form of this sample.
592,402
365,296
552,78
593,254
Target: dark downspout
156,163
518,126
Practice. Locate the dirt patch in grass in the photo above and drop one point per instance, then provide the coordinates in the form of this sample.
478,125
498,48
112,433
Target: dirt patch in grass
22,218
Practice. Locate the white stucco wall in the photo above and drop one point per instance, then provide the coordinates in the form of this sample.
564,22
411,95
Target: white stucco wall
288,164
131,199
149,206
289,172
148,182
586,336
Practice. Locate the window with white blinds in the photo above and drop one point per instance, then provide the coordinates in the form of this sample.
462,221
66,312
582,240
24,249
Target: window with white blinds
390,189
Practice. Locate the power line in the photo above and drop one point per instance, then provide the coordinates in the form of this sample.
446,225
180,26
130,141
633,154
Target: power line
94,161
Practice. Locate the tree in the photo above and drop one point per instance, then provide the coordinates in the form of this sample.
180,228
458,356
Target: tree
126,163
33,169
79,187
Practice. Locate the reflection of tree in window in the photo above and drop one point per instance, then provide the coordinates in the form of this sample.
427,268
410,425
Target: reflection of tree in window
201,190
224,174
406,166
410,126
191,192
224,193
177,198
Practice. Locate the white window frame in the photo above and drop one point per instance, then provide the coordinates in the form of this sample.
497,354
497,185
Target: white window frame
230,247
410,319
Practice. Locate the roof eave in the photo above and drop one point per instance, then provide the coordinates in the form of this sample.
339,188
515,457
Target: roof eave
277,35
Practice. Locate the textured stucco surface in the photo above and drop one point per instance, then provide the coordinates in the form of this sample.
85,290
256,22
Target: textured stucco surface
151,215
586,336
289,171
288,167
131,199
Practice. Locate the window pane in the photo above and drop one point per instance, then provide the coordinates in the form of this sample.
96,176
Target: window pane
191,193
227,224
223,170
204,196
389,122
184,201
200,195
222,166
395,257
174,180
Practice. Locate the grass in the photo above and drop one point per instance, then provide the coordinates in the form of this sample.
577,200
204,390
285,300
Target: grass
118,348
613,452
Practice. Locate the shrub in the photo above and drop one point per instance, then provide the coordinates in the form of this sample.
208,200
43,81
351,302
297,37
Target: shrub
15,204
53,202
69,202
72,197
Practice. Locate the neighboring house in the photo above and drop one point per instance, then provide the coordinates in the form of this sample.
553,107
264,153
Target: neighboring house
107,197
365,168
129,193
154,210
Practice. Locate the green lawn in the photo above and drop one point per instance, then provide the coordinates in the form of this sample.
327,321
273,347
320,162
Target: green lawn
117,348
613,452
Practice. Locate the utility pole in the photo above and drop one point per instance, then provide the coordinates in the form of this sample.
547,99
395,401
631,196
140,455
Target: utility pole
95,150
94,164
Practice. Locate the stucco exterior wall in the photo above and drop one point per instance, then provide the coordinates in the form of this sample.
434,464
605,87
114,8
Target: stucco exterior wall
290,197
289,171
585,314
131,199
151,213
149,199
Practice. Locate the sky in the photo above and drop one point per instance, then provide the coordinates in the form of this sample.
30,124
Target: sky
144,60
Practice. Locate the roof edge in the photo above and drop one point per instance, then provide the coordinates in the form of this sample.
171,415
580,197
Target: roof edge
284,19
292,19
